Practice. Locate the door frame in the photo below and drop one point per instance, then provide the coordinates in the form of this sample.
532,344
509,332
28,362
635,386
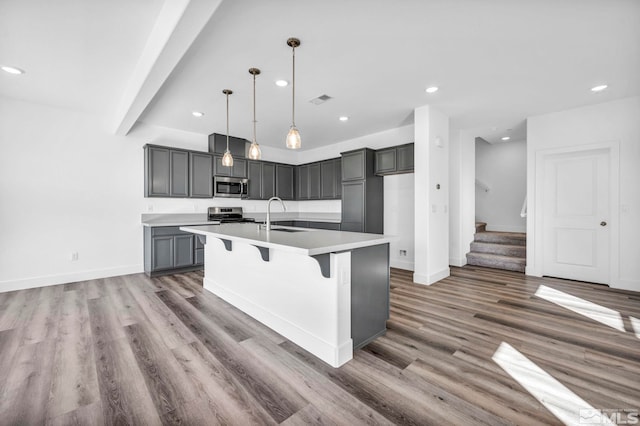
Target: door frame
535,207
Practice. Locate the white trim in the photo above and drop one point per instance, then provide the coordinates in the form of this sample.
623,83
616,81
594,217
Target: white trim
535,215
401,264
49,280
457,261
633,285
432,278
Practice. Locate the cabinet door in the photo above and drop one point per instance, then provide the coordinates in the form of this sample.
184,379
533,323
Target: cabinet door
405,158
268,180
328,179
353,202
314,181
161,252
200,175
157,176
284,181
239,168
303,183
353,166
255,180
338,177
179,173
218,145
386,161
183,250
219,169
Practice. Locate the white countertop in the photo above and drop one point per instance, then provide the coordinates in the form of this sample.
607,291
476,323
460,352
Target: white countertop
309,242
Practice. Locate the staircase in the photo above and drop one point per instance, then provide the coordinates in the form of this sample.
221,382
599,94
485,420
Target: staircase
500,250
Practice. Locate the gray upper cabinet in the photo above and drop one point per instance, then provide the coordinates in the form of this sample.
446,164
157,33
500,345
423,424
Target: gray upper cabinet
156,171
395,160
328,183
166,172
338,177
268,180
386,161
314,181
218,145
303,182
405,158
284,181
353,165
255,180
200,175
239,168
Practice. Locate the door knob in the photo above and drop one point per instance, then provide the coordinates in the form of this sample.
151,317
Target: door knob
603,223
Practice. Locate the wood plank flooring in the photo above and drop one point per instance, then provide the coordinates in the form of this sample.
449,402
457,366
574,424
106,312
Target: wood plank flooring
135,350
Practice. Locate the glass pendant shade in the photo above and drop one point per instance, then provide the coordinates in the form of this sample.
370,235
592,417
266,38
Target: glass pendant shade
254,151
227,159
293,138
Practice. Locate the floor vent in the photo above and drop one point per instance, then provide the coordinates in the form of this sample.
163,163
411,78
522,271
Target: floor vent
320,99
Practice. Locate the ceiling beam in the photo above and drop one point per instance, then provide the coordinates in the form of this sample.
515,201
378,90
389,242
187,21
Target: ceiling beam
179,23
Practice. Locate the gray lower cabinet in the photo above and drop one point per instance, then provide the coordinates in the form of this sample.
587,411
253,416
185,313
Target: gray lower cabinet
353,200
332,226
285,178
168,250
394,160
239,168
200,175
166,172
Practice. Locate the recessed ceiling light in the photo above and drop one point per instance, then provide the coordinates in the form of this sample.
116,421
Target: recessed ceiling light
197,114
505,138
599,88
282,83
12,70
344,118
432,89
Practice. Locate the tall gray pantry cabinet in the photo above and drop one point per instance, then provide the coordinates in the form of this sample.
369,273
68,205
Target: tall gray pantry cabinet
362,193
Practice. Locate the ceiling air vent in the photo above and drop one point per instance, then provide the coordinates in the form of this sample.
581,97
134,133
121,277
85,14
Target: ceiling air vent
320,99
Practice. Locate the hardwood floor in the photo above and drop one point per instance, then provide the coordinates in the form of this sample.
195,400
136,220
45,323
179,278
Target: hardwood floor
480,347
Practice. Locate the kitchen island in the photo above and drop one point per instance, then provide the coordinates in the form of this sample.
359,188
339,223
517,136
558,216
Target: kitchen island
326,291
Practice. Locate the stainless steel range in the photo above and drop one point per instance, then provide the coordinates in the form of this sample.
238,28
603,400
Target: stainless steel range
228,214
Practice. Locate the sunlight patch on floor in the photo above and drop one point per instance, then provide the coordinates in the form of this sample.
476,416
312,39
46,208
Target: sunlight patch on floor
635,324
596,312
557,398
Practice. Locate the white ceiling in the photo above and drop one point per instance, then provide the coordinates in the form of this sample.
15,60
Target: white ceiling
496,61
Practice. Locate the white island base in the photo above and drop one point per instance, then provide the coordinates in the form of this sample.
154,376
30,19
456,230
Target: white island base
327,302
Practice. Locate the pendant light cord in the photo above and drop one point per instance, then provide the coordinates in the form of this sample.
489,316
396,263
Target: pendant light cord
293,99
227,122
254,108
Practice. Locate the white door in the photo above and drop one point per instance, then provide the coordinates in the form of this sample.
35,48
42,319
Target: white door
576,214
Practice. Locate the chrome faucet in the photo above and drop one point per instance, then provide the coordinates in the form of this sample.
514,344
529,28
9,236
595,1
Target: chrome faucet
268,224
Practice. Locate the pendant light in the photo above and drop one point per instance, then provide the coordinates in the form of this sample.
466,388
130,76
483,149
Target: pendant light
293,137
227,159
254,148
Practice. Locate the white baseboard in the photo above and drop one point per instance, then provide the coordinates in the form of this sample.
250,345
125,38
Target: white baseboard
457,261
532,271
401,264
633,285
432,278
47,280
507,228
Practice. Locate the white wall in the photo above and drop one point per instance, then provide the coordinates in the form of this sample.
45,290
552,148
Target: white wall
503,168
462,205
431,203
616,123
399,218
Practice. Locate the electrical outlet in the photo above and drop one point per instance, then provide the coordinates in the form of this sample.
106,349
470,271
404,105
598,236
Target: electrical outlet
403,252
150,208
74,256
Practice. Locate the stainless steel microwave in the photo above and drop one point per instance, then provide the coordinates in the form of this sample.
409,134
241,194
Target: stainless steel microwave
230,187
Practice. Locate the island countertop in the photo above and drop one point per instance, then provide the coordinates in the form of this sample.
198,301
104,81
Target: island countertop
305,241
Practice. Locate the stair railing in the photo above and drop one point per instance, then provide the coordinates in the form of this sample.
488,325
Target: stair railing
523,211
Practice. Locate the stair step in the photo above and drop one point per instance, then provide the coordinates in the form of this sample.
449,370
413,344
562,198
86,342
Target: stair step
481,226
511,238
501,249
496,261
